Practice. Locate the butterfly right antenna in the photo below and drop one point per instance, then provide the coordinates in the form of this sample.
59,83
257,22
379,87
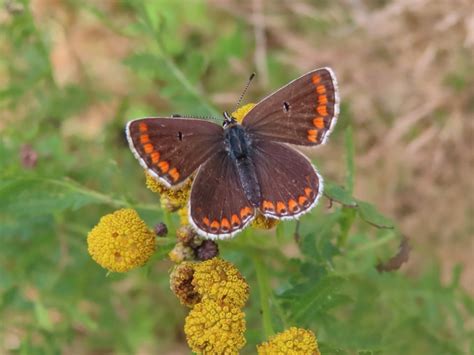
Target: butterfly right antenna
243,92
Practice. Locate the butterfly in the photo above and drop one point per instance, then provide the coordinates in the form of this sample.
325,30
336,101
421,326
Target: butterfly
244,168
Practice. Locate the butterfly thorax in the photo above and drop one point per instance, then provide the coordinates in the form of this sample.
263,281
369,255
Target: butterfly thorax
238,145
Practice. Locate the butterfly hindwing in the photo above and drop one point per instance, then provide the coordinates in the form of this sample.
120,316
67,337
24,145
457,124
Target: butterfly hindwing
218,207
303,112
171,149
289,183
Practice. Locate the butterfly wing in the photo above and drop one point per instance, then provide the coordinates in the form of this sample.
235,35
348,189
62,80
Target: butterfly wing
171,149
218,207
289,183
303,112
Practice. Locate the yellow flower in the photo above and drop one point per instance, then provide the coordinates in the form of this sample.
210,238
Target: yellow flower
215,328
220,281
241,112
121,241
263,222
293,341
180,283
172,199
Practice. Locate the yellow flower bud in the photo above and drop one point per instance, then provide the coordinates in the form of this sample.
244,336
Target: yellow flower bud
121,241
181,253
180,282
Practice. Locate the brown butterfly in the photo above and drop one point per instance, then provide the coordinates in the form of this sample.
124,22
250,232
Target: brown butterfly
248,167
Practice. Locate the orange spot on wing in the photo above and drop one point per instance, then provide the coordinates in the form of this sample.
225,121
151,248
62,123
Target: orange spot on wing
281,208
302,200
322,110
245,212
215,226
268,206
312,135
293,205
235,220
225,225
164,166
155,157
206,221
308,192
323,99
318,122
142,127
144,138
148,148
316,79
321,89
174,174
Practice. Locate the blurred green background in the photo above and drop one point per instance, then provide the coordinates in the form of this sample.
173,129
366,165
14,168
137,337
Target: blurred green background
73,72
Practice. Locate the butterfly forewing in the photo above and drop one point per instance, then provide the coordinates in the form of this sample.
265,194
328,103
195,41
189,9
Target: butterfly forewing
218,207
303,112
171,149
289,183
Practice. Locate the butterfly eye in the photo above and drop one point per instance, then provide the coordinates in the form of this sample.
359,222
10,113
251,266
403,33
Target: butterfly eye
286,106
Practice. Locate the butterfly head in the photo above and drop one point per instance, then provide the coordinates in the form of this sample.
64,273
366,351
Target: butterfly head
228,120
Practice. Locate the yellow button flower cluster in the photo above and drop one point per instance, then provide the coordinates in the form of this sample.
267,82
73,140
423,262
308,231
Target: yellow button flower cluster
219,280
293,341
215,328
121,241
216,291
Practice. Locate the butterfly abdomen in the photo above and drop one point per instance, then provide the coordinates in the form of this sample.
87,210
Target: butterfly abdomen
239,147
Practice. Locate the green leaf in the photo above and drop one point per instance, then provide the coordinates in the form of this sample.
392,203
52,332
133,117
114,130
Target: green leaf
369,213
27,196
339,194
308,299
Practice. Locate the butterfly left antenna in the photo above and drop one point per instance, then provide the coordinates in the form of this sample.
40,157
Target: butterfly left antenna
206,118
243,92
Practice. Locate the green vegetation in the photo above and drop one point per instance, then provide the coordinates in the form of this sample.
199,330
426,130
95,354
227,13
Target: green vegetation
64,163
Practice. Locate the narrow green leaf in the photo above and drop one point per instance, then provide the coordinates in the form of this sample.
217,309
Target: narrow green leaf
339,194
369,213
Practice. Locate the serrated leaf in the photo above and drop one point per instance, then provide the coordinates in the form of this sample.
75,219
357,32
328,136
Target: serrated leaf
308,299
339,194
369,213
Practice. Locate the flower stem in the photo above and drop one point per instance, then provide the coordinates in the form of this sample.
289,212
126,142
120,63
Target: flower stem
264,291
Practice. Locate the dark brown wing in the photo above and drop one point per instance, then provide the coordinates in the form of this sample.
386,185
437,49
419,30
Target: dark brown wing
171,149
289,183
303,112
218,207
